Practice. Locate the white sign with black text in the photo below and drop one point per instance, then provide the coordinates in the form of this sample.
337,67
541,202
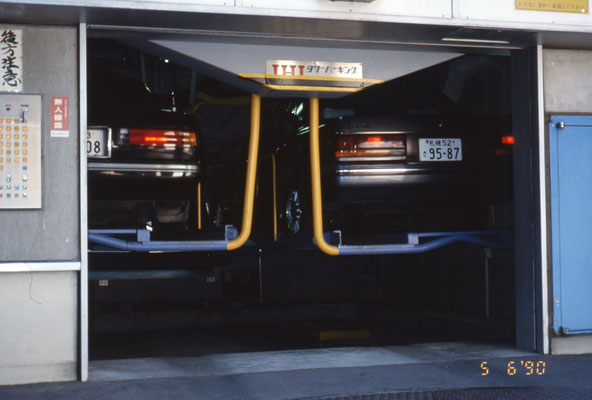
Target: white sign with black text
319,69
11,60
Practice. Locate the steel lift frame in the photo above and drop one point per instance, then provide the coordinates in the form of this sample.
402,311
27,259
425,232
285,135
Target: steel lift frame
416,242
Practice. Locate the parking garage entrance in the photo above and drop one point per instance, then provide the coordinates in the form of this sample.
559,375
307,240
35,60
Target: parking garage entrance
421,145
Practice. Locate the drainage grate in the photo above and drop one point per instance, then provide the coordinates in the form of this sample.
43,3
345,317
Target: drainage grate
381,396
476,394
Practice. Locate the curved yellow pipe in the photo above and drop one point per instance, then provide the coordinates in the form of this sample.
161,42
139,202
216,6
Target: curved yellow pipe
315,172
251,176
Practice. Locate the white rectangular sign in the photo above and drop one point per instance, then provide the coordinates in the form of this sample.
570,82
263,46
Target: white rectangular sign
440,149
321,69
11,60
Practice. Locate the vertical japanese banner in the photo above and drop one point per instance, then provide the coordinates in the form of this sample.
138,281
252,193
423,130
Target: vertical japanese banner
11,60
60,117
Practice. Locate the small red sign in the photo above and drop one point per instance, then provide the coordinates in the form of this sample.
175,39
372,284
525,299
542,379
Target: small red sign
60,113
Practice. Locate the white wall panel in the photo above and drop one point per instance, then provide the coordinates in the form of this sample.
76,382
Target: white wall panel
504,10
467,13
38,326
24,6
148,3
416,8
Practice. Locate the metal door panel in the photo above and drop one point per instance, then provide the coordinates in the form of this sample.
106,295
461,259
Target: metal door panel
571,200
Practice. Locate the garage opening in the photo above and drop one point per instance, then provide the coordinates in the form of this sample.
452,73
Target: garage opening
430,151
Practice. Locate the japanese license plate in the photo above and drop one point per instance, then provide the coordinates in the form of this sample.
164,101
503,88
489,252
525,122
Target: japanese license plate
439,149
98,143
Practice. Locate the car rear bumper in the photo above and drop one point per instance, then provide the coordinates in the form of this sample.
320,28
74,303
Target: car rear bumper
144,170
404,184
110,181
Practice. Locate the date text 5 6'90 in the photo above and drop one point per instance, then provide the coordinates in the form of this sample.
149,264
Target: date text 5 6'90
519,367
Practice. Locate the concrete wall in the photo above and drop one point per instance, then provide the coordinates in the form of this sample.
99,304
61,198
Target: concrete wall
40,249
38,328
50,68
462,13
567,90
567,81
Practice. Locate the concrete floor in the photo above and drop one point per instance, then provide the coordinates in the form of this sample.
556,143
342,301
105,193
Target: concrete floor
294,360
422,371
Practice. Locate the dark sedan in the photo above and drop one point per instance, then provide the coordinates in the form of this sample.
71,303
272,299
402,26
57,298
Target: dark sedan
141,176
413,162
143,147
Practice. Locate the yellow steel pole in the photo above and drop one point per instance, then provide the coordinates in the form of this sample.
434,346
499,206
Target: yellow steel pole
275,227
315,172
199,206
251,176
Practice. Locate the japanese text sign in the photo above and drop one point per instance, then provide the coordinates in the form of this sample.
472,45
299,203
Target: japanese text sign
60,116
565,6
11,60
319,69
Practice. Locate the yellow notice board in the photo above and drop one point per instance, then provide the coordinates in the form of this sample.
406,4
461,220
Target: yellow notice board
565,6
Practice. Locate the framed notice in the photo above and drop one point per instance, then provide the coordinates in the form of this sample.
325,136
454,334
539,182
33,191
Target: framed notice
564,6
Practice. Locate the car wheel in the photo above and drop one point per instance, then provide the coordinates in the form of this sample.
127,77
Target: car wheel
293,212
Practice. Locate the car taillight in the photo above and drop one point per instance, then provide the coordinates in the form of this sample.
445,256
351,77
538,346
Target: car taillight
374,140
508,140
161,138
370,146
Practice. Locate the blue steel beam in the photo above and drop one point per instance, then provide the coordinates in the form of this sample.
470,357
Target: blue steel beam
504,240
489,239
